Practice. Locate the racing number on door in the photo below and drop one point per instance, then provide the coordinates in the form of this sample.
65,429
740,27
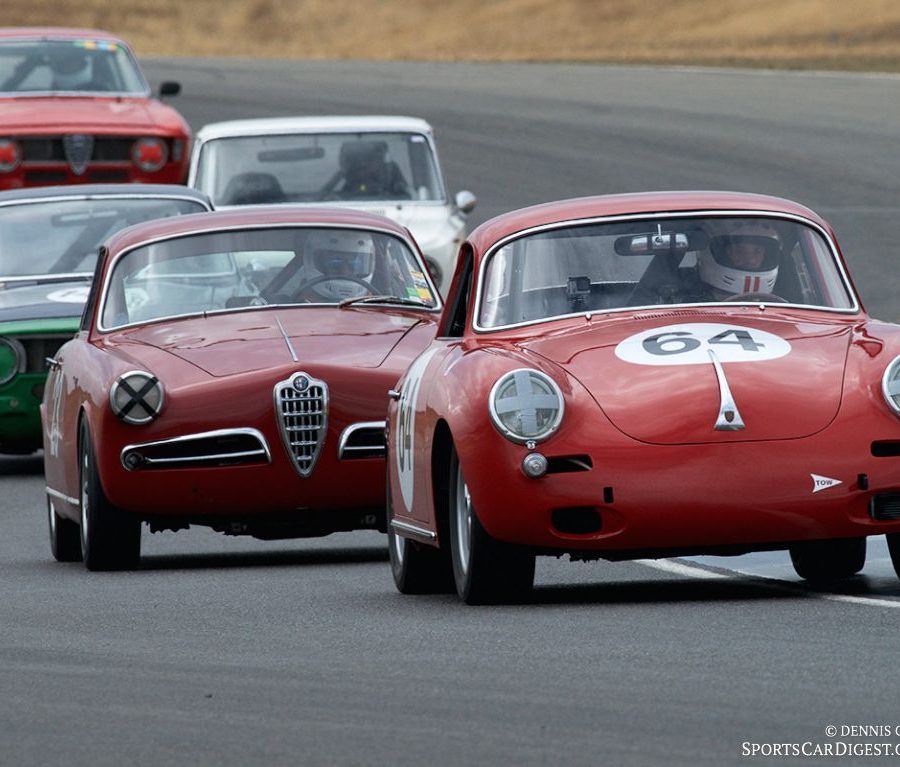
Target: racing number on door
690,344
405,442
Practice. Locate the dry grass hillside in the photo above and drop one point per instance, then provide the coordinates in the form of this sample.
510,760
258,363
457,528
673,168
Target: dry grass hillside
835,34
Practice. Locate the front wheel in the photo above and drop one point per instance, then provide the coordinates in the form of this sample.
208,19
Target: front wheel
830,560
486,571
418,568
65,543
110,537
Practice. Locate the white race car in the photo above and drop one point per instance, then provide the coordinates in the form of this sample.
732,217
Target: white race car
384,165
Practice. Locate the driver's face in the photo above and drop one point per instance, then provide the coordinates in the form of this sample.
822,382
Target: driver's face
746,255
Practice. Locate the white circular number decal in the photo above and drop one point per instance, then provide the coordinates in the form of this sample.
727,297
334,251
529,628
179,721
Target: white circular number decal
69,295
691,343
404,440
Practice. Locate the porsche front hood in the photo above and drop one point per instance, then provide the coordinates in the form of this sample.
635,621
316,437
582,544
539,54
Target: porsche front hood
720,379
228,344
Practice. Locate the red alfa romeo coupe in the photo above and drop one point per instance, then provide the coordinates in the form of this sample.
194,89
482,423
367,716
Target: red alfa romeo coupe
75,108
645,375
232,370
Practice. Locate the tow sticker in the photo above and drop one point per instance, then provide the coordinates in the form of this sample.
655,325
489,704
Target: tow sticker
406,425
689,344
823,483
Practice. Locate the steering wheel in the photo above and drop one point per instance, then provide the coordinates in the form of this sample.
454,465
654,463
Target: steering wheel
762,298
370,289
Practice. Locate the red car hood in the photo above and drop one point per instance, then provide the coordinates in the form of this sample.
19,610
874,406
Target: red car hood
656,381
245,341
44,114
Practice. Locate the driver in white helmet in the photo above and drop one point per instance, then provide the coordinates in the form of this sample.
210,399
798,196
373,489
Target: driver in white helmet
339,265
742,259
71,69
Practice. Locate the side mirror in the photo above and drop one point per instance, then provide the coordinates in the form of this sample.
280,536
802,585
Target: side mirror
465,201
169,88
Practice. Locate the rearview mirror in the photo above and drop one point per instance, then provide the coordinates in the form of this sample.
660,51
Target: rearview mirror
653,243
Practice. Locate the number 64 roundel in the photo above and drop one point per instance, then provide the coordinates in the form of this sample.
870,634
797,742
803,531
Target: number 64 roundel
689,344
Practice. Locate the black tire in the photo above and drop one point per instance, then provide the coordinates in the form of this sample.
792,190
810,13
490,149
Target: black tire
65,539
830,560
110,537
893,542
417,568
486,571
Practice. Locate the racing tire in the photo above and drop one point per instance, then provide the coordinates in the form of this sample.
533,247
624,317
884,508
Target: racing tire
419,568
485,570
893,542
830,560
110,537
65,539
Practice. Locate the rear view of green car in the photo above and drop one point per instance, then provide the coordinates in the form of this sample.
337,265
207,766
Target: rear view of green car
49,239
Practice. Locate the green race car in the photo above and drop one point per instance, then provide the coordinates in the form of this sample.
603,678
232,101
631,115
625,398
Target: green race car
49,240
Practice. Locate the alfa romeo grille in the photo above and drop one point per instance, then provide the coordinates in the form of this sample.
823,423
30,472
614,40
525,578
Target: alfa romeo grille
301,406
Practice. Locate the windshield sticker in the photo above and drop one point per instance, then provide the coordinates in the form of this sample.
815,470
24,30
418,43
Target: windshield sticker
690,344
77,295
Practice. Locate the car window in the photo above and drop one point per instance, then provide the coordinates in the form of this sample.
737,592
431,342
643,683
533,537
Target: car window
233,270
319,168
62,236
63,66
612,266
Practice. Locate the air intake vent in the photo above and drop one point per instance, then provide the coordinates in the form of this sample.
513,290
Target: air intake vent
885,506
886,449
301,406
226,447
362,440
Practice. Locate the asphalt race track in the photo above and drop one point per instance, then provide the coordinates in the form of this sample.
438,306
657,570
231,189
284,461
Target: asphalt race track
225,651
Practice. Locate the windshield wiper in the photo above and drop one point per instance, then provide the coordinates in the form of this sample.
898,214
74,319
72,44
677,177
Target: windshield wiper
401,300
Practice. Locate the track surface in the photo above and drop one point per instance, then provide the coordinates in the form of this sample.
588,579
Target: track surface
224,651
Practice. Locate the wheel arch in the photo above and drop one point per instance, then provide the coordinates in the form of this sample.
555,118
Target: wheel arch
441,447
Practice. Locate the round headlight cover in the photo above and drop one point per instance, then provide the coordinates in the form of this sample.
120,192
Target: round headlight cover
526,405
136,397
890,385
149,154
12,359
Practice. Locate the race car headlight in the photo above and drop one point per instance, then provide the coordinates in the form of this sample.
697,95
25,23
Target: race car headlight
10,155
149,154
12,359
890,385
136,397
526,405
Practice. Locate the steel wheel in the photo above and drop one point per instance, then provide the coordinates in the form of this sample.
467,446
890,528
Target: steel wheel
486,571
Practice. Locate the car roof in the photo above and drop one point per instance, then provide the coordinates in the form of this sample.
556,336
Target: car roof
92,191
599,206
250,216
320,124
56,33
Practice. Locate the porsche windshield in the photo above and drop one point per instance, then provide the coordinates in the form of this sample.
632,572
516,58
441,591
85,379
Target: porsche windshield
68,66
63,236
319,167
232,270
657,261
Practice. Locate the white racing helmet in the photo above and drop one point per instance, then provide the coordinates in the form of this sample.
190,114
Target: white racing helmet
717,268
344,256
71,69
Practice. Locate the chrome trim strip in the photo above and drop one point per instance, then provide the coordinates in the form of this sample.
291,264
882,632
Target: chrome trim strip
351,430
414,530
729,418
698,213
208,228
76,502
264,446
287,340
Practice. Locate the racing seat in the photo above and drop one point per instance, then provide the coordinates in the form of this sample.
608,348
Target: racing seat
253,189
